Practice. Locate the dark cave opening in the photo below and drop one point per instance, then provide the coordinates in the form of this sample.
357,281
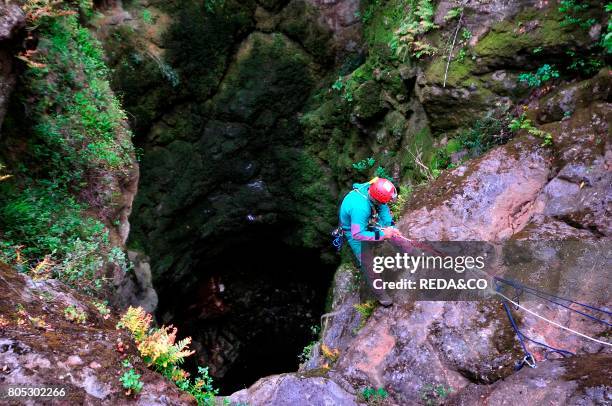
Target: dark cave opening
251,307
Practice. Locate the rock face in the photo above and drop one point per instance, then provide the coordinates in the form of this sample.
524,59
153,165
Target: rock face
289,389
12,20
38,345
468,351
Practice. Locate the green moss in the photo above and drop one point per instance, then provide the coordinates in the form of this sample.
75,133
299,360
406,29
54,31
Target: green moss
368,103
77,140
460,73
301,23
531,28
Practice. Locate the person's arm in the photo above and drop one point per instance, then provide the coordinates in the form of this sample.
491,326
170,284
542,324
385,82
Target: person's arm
359,225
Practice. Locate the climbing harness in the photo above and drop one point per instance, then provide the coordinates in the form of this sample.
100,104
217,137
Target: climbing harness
338,238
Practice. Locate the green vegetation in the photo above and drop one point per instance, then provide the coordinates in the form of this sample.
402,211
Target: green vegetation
102,308
131,380
417,21
544,74
365,309
160,350
573,13
78,138
374,397
453,13
147,17
435,394
397,206
606,38
523,123
307,351
201,388
364,164
74,314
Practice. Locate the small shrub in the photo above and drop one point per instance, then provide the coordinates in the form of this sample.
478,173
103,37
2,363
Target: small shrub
307,351
364,164
523,123
147,17
160,351
74,314
453,13
374,397
544,74
131,381
418,21
397,206
102,308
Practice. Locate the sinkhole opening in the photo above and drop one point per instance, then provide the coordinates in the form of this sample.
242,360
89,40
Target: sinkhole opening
249,307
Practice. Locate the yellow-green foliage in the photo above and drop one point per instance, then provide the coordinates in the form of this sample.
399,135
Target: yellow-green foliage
136,321
397,206
160,350
365,310
74,314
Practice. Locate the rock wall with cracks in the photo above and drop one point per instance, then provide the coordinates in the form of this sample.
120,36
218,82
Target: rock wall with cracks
520,191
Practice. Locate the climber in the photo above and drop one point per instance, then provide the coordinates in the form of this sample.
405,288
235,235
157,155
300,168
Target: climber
365,216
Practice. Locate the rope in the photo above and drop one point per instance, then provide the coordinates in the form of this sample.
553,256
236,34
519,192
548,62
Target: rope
552,322
517,284
423,247
566,307
529,359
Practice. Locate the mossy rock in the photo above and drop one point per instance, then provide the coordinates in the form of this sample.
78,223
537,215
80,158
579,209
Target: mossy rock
368,102
300,21
512,42
273,5
250,97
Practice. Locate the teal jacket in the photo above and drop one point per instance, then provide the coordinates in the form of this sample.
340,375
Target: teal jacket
356,211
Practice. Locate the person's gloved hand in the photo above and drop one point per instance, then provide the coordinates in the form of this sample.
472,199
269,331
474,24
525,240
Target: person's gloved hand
391,232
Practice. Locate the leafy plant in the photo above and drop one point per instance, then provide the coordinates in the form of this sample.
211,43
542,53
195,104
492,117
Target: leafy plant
364,164
160,350
453,13
418,21
523,123
368,12
544,73
131,381
78,138
573,13
102,308
397,206
74,314
307,351
147,17
365,310
374,397
201,388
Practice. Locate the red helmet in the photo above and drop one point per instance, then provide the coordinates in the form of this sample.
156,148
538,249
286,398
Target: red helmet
382,190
